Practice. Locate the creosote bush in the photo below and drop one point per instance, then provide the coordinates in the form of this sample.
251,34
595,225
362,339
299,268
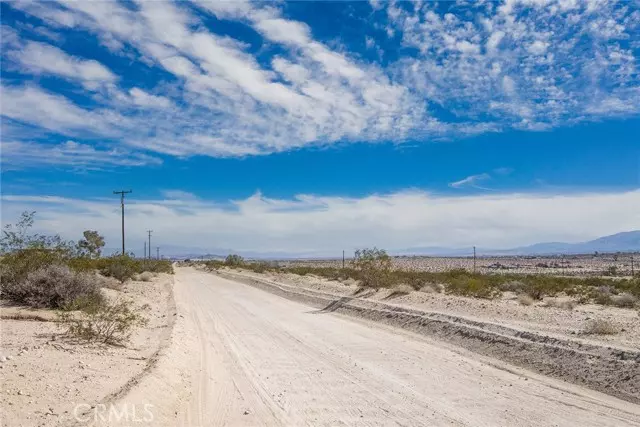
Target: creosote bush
109,323
54,286
233,260
373,267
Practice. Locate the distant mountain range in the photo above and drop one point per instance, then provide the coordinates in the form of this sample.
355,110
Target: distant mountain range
628,241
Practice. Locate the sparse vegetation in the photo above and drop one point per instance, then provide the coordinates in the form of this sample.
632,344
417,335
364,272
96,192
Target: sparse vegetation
145,276
48,272
624,300
109,323
601,327
524,299
559,303
234,260
373,268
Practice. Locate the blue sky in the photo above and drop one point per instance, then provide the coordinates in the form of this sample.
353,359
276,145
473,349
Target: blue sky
314,126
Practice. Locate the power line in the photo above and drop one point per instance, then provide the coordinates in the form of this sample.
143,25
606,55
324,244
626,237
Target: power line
122,193
149,231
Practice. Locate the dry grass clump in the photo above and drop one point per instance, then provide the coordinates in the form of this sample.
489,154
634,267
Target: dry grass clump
109,323
24,316
559,303
402,289
624,300
524,299
601,327
432,288
145,277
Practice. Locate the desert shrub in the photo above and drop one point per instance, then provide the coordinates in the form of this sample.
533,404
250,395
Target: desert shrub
373,267
214,264
512,286
612,271
472,286
53,286
557,303
600,327
624,300
16,266
258,267
145,276
111,323
524,299
121,267
157,266
234,260
402,289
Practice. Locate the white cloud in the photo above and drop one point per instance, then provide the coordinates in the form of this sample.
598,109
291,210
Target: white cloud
326,225
144,99
41,58
179,195
19,155
57,113
538,47
470,181
522,65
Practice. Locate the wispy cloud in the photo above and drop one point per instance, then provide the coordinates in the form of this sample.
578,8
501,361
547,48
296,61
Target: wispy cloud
20,155
492,66
470,181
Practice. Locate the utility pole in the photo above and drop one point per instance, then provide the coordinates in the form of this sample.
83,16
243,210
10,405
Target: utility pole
474,259
122,193
633,272
157,252
145,250
149,231
343,259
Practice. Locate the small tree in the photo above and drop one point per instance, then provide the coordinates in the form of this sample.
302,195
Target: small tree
234,260
374,267
91,245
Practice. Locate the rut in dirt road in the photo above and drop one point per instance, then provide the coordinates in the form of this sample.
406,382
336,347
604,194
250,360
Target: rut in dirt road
242,356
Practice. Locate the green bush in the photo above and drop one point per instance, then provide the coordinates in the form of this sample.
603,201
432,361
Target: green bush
110,323
233,260
120,267
373,267
157,266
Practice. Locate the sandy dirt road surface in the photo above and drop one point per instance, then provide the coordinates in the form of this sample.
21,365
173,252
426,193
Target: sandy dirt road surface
243,357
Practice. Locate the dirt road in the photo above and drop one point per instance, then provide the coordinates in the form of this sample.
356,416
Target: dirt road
242,356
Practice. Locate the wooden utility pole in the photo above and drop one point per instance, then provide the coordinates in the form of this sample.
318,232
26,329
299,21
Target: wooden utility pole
149,231
157,252
122,193
474,259
343,259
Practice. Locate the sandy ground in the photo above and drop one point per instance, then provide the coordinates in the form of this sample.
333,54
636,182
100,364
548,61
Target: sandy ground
47,380
240,356
507,310
569,265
